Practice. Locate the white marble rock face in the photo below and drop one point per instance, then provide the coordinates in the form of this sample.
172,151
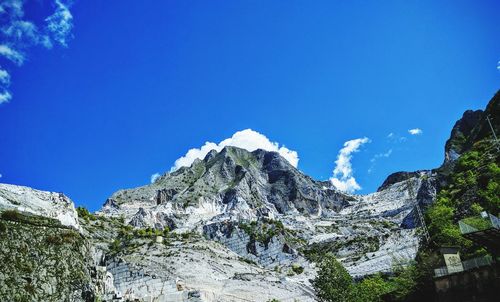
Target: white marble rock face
43,203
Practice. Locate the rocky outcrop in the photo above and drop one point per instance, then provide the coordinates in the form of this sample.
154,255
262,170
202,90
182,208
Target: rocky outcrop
471,128
145,219
462,129
47,204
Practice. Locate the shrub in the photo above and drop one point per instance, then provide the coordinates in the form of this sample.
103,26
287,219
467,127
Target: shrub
166,231
404,282
85,214
333,283
69,237
115,246
297,269
53,240
12,215
371,289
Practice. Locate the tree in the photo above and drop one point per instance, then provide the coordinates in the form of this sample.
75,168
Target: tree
371,289
333,283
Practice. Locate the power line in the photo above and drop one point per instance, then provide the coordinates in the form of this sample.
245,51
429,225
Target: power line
419,211
493,131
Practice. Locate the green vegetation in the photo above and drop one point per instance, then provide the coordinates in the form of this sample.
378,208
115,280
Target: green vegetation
315,252
66,237
12,215
85,214
247,260
297,268
28,218
36,251
478,222
263,230
3,227
127,239
334,283
473,187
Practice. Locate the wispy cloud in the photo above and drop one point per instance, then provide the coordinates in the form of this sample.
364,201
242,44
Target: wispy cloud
60,24
18,35
5,97
378,156
343,178
415,131
4,77
395,138
14,56
383,154
245,139
154,177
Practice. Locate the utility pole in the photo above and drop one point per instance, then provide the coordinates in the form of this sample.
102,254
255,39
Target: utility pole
419,211
493,131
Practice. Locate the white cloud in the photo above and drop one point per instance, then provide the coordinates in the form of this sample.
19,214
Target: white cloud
415,131
498,65
21,31
18,34
11,54
5,97
4,77
60,23
154,177
245,139
0,175
390,135
343,178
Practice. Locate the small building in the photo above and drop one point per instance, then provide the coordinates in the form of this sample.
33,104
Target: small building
476,279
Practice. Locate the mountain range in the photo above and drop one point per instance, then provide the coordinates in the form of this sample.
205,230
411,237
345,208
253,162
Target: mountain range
234,226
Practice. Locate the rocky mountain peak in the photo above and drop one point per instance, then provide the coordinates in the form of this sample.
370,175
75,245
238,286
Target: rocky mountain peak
233,182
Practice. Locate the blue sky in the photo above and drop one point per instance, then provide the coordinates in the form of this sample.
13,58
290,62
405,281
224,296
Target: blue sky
131,86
